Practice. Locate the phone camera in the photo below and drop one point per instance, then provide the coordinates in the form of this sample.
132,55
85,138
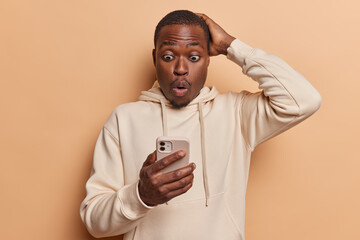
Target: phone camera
162,143
162,148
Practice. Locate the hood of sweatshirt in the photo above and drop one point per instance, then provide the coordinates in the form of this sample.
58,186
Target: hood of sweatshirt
206,94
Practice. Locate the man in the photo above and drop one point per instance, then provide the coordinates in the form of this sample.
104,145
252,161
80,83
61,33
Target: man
127,195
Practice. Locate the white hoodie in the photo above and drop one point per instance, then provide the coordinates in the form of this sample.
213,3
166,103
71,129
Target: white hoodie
223,130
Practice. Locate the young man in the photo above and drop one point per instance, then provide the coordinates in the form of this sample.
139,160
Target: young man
127,195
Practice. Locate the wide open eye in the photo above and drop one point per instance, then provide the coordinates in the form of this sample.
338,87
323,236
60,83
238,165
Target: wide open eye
194,58
168,57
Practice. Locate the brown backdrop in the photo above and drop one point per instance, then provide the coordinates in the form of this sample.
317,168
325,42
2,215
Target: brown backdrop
64,66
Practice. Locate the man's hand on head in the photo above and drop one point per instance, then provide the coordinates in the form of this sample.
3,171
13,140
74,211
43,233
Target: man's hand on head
156,187
220,40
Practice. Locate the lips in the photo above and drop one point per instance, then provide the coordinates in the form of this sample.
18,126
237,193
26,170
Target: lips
179,92
180,87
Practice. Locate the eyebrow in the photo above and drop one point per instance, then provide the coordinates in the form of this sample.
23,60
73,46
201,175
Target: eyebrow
193,44
169,43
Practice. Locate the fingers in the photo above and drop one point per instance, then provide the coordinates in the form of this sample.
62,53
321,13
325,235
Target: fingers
178,192
166,161
202,16
177,185
206,19
174,176
168,186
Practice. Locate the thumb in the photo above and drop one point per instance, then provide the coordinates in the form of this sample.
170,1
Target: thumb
151,158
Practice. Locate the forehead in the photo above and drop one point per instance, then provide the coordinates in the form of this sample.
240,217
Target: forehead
181,33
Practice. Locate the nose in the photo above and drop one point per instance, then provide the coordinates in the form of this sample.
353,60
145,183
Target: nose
181,67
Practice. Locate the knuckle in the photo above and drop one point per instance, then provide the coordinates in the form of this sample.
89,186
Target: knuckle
148,173
162,163
154,181
173,157
169,195
176,174
182,182
162,190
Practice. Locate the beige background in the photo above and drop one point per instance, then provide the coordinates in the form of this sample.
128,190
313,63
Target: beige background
65,65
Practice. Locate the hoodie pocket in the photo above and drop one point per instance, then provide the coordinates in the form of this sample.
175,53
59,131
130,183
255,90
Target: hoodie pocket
190,220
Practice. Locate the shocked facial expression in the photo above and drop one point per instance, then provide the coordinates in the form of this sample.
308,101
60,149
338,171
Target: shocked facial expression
181,60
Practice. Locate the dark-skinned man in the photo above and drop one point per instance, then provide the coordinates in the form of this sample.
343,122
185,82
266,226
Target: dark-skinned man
130,196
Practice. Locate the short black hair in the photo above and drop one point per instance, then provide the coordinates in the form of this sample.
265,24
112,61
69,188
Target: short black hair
182,17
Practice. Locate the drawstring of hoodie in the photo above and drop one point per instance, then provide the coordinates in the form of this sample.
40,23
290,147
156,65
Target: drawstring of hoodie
164,116
203,153
164,119
202,135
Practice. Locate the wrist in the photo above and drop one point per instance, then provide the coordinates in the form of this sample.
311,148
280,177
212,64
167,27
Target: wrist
226,44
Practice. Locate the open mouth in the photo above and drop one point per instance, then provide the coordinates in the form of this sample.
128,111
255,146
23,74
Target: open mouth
179,91
180,87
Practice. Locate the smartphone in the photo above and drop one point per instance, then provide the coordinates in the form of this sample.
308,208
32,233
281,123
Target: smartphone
166,145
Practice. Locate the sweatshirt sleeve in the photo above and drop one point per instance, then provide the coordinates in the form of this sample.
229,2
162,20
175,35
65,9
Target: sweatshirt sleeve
110,207
286,99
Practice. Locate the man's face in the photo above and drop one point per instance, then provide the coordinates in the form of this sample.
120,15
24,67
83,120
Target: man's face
181,60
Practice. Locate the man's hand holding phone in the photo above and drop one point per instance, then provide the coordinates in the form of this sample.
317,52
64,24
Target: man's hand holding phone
156,187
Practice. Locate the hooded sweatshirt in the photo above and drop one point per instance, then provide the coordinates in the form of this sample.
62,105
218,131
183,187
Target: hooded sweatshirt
223,130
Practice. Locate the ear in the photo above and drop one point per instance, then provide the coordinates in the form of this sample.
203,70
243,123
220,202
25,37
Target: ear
154,56
208,61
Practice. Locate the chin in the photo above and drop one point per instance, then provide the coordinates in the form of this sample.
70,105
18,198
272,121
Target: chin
179,105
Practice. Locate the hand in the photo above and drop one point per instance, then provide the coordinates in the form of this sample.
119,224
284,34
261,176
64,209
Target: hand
156,187
220,40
